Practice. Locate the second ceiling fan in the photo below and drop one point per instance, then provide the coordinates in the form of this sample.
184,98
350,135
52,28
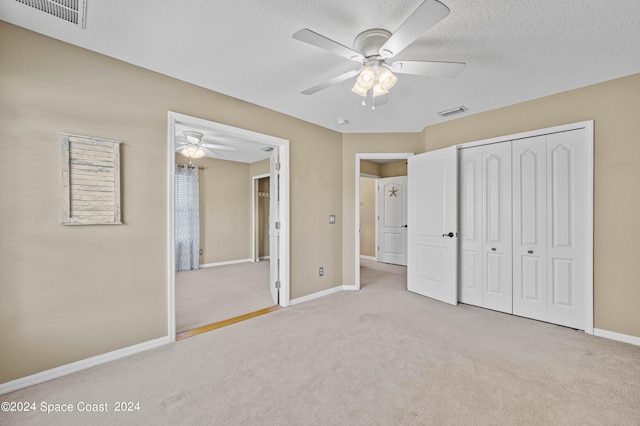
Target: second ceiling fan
375,47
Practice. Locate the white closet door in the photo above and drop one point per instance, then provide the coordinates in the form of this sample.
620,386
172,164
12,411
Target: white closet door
530,228
470,226
497,248
566,227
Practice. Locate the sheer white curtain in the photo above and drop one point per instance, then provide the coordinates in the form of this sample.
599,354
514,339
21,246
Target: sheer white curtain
187,212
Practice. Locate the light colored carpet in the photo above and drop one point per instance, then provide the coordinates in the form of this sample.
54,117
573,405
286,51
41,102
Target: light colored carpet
209,295
379,356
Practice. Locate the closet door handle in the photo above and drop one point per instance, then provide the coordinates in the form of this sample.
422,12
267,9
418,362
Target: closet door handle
450,235
493,249
530,251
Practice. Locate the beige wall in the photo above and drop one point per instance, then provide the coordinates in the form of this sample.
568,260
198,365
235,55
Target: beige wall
370,168
615,108
353,143
394,168
225,209
71,292
367,217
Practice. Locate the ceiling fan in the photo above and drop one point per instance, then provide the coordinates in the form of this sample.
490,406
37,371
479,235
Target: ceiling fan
193,147
374,48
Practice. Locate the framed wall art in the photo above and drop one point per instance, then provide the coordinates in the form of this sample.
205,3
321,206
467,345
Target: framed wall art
90,180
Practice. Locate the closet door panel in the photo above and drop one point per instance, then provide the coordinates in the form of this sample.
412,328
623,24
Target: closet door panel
497,256
470,226
529,228
566,228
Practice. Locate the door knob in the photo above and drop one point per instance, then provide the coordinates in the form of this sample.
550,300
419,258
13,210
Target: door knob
530,251
405,226
450,235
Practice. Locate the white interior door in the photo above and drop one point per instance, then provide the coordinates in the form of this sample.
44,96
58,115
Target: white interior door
274,226
392,220
432,225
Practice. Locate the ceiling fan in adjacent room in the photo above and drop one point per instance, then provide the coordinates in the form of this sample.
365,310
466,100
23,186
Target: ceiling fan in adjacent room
192,146
374,48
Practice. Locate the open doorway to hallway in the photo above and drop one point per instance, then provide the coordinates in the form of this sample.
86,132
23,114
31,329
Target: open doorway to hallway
381,221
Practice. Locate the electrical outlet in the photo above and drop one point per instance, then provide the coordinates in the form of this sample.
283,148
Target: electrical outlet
332,219
321,271
200,252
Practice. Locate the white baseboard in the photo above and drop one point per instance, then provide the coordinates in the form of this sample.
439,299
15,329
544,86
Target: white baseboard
616,336
315,295
264,257
375,259
66,369
322,294
228,262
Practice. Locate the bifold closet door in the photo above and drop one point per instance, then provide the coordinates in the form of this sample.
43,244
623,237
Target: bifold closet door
566,227
549,222
470,226
496,229
530,227
485,226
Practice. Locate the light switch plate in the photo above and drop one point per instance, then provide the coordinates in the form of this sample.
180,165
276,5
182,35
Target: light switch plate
332,219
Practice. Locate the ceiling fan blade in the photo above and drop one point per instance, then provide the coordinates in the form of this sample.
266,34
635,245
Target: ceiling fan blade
210,151
426,16
216,146
428,68
322,42
331,82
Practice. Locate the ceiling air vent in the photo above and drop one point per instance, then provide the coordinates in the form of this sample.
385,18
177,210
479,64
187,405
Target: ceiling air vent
452,111
72,11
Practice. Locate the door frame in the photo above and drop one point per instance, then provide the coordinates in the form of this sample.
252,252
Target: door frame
284,252
367,156
589,136
255,217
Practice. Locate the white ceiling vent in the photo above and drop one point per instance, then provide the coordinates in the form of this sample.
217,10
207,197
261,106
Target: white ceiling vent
452,111
72,11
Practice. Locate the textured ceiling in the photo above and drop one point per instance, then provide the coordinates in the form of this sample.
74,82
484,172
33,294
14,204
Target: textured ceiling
514,50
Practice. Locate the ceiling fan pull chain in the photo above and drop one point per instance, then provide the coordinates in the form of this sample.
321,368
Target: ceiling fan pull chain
373,102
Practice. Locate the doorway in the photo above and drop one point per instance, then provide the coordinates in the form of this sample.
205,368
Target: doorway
278,173
361,171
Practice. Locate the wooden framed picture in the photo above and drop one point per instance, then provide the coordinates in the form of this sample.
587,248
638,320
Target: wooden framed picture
90,181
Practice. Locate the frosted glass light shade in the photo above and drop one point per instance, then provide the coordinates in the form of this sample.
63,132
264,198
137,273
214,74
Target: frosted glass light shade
386,78
193,151
366,79
358,90
378,90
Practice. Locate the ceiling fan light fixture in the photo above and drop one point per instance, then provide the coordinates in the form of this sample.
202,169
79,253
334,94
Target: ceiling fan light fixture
367,78
386,78
379,90
359,90
193,151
